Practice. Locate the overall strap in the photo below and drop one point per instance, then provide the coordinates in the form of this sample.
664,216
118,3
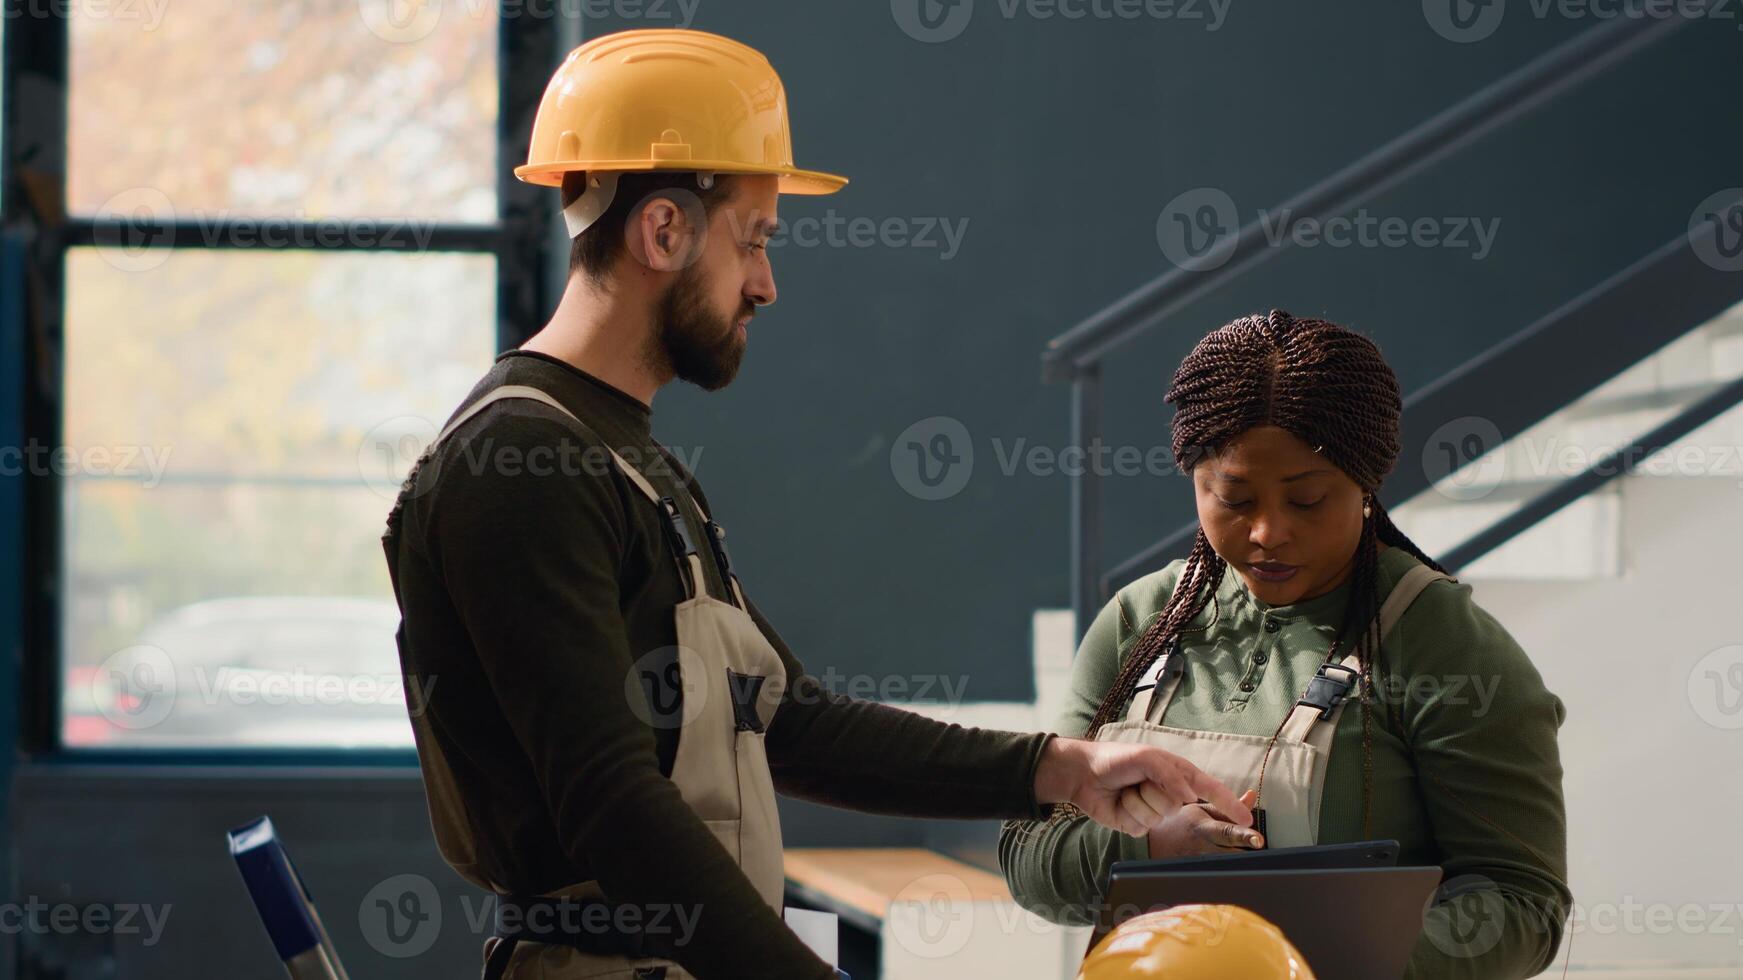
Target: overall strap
677,530
1325,695
1164,675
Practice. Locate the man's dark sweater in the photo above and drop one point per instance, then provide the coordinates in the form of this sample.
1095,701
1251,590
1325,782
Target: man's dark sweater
537,590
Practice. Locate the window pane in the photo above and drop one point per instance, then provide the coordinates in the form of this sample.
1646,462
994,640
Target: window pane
321,108
236,427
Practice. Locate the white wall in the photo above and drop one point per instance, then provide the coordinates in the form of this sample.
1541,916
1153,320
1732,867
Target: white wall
1652,747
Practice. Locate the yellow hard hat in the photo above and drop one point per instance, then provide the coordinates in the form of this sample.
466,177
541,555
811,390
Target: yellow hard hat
666,99
1196,942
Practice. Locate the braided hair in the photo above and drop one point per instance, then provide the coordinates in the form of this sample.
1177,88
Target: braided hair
1329,387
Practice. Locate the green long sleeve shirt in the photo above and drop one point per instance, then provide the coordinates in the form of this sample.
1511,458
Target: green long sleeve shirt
1466,775
537,587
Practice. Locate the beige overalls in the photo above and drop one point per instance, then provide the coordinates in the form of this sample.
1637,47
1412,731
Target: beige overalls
1293,766
732,682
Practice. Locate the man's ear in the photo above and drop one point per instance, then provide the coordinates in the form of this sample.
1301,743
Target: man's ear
664,236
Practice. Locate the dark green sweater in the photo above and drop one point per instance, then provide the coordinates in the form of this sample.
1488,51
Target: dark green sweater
1472,781
533,578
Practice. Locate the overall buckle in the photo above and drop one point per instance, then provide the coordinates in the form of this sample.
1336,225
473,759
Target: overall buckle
677,531
1327,690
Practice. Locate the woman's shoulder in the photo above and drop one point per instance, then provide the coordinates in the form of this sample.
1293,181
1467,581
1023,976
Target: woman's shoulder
1148,594
1136,606
1446,624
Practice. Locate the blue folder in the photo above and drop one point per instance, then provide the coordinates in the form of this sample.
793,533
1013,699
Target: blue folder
283,903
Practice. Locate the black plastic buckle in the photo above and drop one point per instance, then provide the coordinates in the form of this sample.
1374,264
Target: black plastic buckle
1326,691
677,531
1166,668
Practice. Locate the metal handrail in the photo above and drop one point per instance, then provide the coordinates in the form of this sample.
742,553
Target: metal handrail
1617,463
1076,355
1513,95
1673,289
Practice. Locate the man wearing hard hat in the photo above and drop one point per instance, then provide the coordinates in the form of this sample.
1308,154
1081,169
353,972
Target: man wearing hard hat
613,716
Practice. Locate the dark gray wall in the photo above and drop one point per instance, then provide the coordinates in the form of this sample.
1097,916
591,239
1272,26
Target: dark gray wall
1059,142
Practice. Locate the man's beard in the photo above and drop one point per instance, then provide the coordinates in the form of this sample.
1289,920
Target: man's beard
698,345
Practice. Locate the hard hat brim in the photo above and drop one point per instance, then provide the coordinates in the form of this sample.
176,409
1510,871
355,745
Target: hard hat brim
793,180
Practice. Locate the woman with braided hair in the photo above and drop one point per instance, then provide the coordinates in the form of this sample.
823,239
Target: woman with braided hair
1299,593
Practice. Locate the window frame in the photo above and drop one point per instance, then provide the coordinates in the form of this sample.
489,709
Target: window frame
35,237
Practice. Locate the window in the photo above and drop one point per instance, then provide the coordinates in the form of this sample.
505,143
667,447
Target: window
238,423
287,279
265,107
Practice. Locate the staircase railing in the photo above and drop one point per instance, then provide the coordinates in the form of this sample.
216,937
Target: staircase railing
1076,355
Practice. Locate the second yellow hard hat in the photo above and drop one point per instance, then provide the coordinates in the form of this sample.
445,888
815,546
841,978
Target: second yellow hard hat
1195,942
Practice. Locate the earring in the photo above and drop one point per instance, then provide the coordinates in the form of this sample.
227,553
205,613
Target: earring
1367,507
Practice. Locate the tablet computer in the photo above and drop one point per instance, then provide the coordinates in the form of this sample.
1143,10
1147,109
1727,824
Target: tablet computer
1349,923
1356,854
